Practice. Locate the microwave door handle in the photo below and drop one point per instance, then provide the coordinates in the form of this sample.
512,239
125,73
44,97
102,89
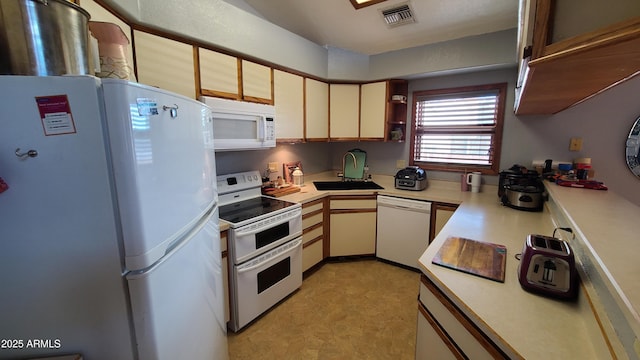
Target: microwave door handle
262,128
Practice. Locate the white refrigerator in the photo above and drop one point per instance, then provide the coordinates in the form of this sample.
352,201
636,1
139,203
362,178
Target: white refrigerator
109,238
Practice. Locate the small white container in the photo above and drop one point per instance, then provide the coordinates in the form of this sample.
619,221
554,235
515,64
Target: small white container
298,177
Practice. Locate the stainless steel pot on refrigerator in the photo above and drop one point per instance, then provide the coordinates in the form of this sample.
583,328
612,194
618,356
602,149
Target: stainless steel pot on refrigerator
43,37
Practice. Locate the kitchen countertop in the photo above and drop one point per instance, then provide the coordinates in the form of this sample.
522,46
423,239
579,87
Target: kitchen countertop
525,324
606,244
441,191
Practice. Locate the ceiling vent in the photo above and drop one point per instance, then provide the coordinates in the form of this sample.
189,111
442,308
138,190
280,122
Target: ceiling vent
398,15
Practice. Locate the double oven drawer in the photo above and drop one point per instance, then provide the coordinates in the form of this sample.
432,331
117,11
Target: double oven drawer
265,280
248,241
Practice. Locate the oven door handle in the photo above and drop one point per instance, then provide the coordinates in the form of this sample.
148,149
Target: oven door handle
265,224
257,263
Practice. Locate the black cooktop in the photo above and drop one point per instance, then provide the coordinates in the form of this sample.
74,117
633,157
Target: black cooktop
251,208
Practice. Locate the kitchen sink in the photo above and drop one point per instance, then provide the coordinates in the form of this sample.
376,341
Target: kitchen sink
346,185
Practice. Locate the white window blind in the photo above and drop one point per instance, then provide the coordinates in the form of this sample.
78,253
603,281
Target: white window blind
459,128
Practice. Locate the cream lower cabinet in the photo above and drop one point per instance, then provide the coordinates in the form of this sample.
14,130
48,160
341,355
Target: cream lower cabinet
225,273
444,332
440,214
312,233
352,225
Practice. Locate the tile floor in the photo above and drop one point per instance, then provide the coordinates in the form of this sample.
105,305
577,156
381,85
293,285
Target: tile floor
364,309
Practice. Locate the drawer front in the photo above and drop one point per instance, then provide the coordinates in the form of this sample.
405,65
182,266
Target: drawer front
311,235
311,255
312,207
464,334
311,220
353,204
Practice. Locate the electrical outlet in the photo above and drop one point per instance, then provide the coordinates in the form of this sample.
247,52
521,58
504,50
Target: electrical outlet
273,167
401,164
575,144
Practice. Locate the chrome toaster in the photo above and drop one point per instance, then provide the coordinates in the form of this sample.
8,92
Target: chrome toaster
547,266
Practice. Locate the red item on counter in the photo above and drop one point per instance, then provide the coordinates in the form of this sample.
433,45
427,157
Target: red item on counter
3,185
586,184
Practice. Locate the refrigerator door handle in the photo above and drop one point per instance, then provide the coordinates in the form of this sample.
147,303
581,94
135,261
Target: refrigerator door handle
175,246
30,153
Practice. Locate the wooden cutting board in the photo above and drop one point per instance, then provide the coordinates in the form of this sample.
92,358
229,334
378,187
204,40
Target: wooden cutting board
281,191
479,258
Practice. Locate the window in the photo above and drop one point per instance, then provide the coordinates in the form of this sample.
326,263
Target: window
458,129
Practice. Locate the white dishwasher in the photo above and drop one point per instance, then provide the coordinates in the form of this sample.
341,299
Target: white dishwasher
403,229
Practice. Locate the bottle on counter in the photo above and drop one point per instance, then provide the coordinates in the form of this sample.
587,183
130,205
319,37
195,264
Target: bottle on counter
298,177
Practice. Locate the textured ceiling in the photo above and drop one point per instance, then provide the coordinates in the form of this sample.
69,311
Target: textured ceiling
336,23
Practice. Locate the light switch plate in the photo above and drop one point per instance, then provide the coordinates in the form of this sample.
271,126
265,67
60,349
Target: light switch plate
575,144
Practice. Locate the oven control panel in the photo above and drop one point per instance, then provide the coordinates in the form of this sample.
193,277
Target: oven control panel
238,181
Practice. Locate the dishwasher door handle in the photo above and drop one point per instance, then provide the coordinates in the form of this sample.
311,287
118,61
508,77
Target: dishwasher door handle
407,208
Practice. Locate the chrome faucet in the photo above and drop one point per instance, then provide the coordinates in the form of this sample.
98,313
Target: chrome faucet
355,162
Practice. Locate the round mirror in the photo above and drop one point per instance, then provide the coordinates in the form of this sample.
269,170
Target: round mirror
632,153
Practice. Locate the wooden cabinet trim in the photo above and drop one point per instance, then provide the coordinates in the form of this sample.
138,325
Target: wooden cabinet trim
313,202
196,71
435,206
542,23
351,211
312,227
220,94
312,213
473,330
312,241
353,197
622,31
608,55
224,238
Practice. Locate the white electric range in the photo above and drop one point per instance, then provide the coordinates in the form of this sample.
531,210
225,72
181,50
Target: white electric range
265,246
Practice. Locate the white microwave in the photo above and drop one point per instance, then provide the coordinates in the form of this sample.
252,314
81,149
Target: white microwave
239,125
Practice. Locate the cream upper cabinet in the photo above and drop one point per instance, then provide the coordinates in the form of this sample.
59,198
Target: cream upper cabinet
316,110
219,74
289,102
256,82
165,63
373,100
344,111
